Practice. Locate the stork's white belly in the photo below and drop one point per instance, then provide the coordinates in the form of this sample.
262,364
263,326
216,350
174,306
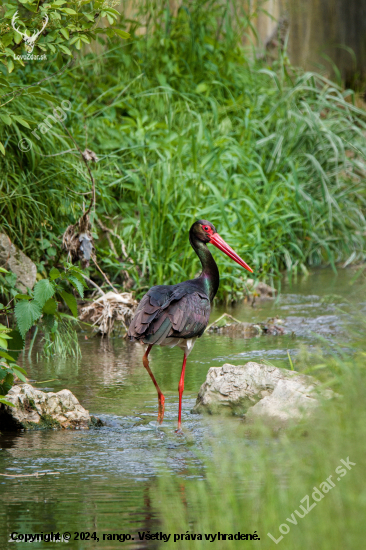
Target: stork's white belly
185,344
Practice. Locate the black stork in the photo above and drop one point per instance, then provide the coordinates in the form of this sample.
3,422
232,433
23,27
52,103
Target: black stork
175,315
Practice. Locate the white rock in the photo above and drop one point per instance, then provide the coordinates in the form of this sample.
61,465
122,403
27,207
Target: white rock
37,409
258,390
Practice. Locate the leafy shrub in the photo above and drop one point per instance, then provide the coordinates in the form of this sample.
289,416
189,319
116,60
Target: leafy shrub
39,307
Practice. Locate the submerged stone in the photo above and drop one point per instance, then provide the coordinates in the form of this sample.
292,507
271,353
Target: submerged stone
259,391
260,289
37,410
229,326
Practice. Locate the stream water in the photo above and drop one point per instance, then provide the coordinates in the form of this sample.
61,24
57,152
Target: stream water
106,474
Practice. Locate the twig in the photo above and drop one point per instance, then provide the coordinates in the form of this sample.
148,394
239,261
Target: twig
92,201
56,154
97,321
93,284
104,275
108,231
123,247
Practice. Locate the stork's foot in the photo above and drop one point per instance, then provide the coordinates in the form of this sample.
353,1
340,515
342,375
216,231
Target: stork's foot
161,409
179,429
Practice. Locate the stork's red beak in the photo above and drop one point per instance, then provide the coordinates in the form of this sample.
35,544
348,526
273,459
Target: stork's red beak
219,242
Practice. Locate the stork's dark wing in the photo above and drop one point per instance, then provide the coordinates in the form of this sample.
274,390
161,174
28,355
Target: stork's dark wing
170,311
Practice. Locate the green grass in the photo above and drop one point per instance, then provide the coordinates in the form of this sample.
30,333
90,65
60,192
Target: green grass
250,479
186,124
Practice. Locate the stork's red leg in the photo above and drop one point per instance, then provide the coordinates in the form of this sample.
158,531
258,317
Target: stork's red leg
181,390
160,395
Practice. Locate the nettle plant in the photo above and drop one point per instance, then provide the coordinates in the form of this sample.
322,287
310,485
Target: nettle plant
54,27
39,307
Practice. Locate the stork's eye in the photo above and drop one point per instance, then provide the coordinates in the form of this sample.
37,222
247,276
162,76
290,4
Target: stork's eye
206,228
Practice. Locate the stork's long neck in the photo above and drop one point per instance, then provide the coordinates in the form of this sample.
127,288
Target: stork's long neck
210,273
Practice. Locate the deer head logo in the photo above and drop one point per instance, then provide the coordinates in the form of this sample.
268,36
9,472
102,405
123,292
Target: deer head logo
29,40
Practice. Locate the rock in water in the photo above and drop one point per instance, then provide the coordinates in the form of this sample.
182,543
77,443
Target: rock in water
16,261
260,289
277,395
35,409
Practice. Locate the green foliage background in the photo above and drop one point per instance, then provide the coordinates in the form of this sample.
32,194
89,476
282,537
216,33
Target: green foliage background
187,123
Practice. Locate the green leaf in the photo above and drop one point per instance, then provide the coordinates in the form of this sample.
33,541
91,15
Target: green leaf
7,39
2,149
23,297
78,275
6,355
50,307
70,301
19,368
121,33
112,11
44,95
74,268
43,291
30,6
3,342
76,284
69,11
65,33
3,270
34,90
21,121
19,374
64,49
17,37
54,274
6,118
26,314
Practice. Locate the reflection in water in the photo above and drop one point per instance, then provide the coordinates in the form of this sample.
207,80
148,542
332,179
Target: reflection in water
107,475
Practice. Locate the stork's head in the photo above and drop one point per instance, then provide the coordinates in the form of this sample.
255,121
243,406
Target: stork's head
206,232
